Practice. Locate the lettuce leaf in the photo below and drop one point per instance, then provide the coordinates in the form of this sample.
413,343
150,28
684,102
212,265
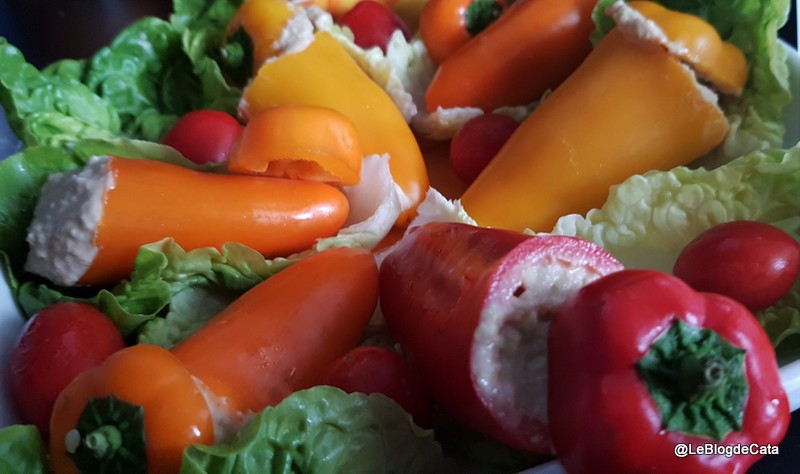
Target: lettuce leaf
22,450
323,430
223,63
781,321
145,74
47,109
752,25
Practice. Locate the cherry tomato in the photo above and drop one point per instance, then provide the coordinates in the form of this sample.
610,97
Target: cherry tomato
752,262
371,369
373,23
57,344
477,142
204,136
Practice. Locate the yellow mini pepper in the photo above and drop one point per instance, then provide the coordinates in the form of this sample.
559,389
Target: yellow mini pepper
632,106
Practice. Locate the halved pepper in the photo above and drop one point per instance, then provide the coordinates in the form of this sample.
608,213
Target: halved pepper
641,364
631,107
299,142
324,75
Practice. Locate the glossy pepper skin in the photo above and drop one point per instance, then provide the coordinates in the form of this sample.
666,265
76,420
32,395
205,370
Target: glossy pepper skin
175,411
279,337
470,307
533,46
602,411
447,25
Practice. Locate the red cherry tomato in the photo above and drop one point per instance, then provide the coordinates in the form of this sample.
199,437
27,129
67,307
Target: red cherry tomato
57,344
373,23
751,262
204,136
477,142
369,369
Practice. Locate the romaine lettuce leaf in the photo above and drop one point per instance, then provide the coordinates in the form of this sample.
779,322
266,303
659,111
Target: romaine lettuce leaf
323,430
752,25
22,450
781,321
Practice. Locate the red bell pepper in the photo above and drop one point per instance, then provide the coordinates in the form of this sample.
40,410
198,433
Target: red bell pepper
470,307
640,364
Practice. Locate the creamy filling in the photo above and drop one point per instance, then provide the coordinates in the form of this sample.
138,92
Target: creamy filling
509,358
66,217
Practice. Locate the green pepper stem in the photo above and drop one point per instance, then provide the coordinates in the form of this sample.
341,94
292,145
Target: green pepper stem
700,375
104,441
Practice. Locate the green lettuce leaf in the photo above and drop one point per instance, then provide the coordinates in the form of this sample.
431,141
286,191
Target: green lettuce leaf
781,321
45,109
752,25
323,430
145,74
22,450
222,63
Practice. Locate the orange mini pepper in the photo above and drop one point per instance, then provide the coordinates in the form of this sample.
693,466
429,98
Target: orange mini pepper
299,142
279,337
143,201
632,106
157,411
532,47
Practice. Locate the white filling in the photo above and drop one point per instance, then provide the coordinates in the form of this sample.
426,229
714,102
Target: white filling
61,236
509,358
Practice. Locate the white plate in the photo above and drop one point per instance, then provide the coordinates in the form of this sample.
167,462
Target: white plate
11,323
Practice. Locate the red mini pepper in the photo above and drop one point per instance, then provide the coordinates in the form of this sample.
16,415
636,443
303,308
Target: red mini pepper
641,365
470,307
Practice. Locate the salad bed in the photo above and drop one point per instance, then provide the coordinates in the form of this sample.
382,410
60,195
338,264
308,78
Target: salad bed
123,100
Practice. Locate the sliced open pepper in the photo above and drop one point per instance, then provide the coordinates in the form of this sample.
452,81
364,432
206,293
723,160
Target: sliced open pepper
640,363
299,142
324,75
631,107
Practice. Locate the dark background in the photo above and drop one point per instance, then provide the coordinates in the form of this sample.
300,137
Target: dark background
47,30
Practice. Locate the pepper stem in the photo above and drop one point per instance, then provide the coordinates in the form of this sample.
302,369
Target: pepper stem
699,376
104,441
697,381
109,437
